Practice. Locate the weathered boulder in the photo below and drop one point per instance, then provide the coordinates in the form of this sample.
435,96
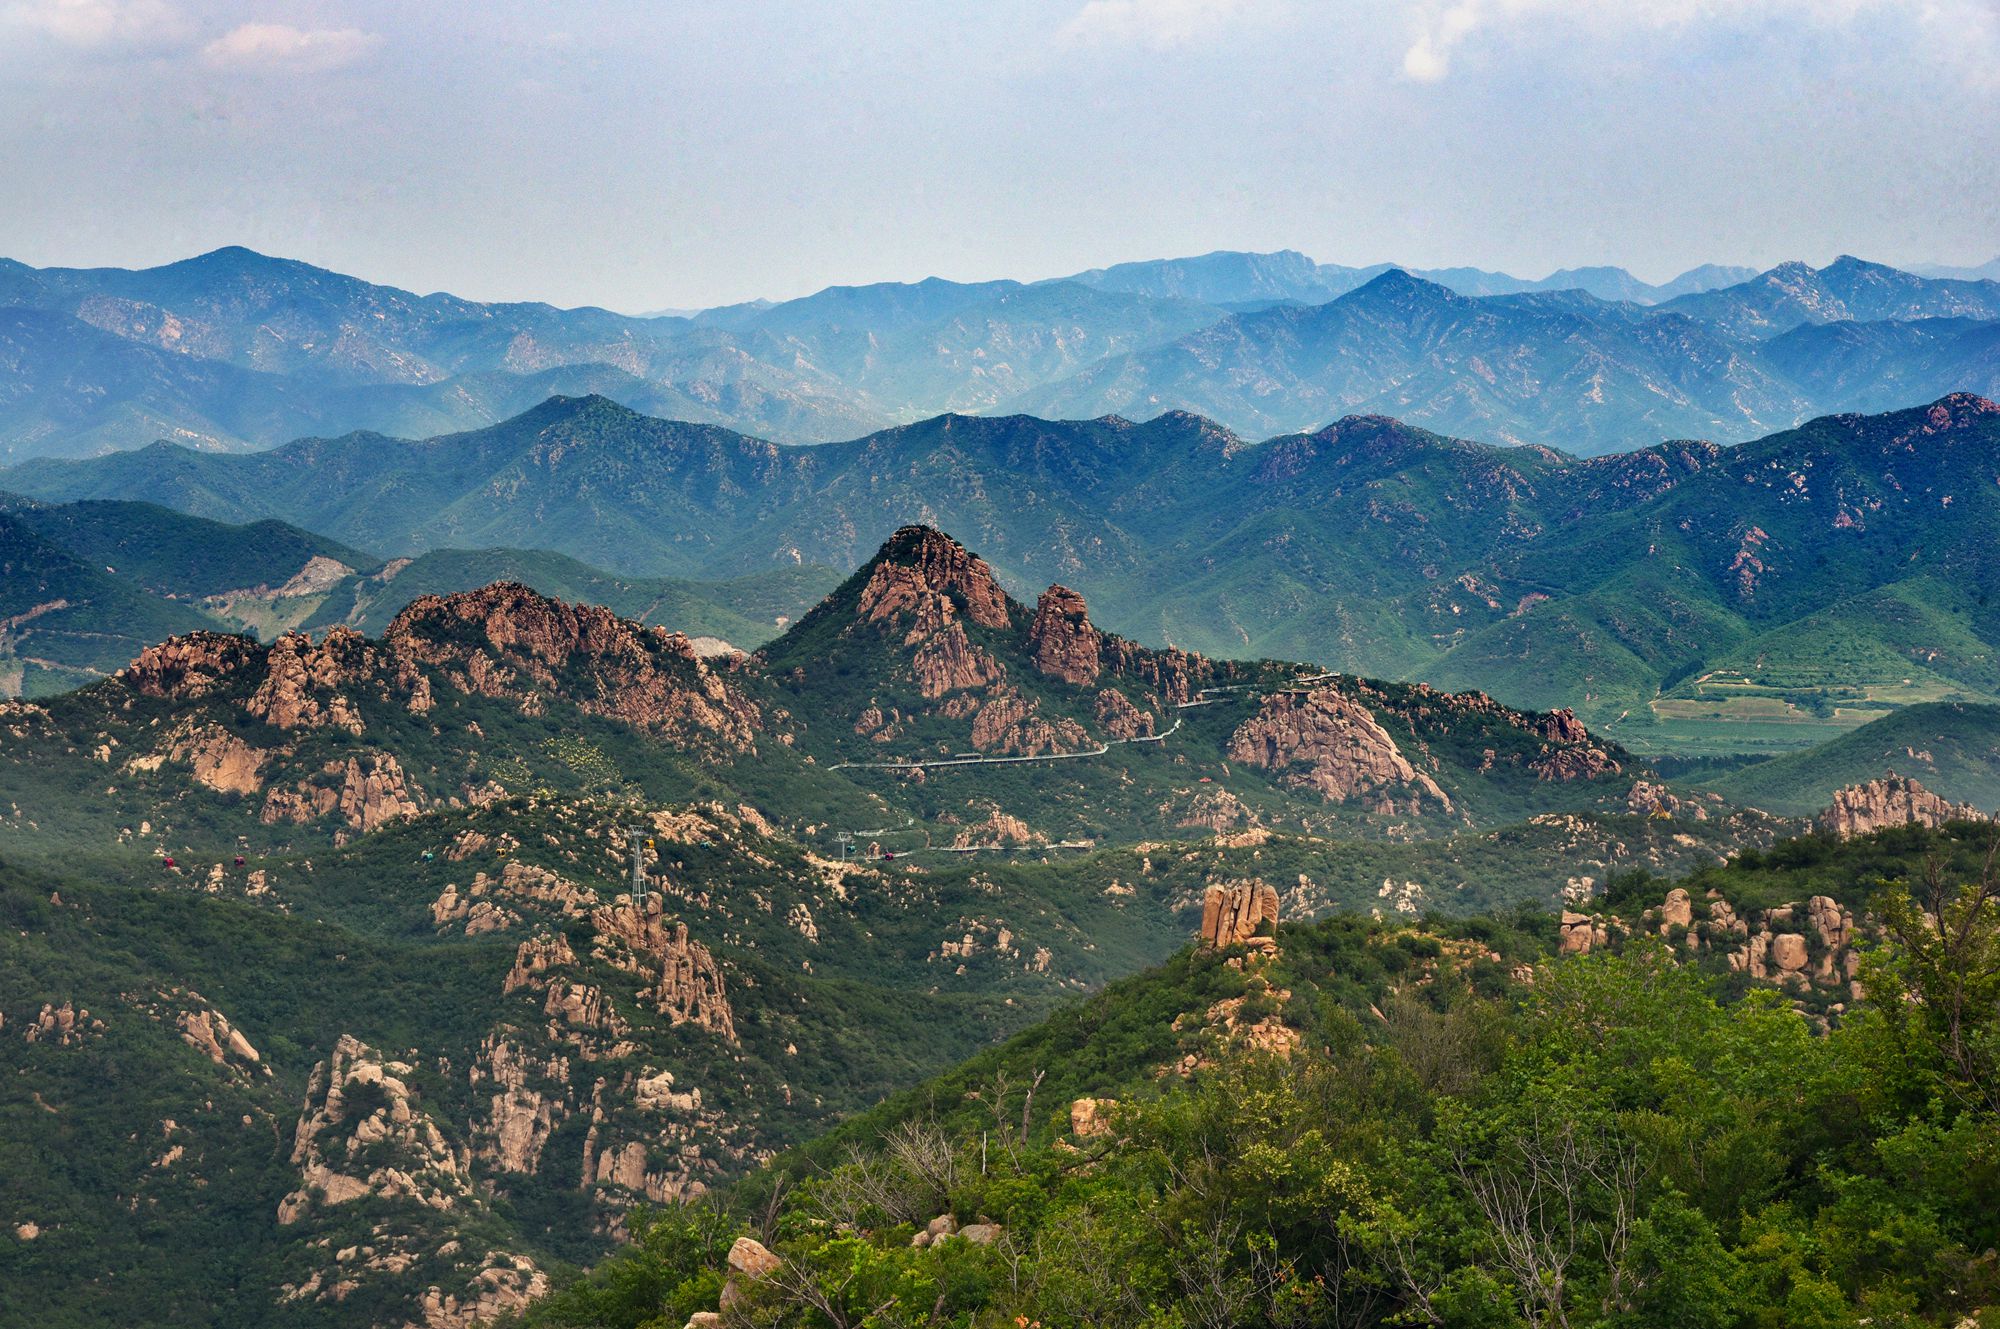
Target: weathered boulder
1088,1117
1678,911
1788,952
1237,912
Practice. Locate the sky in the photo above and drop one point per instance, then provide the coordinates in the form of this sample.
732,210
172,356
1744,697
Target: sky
651,155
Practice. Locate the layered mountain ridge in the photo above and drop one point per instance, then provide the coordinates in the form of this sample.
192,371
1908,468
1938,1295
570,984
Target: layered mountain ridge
1806,582
235,350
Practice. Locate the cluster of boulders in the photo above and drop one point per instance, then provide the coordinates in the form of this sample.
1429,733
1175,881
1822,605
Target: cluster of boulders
1801,947
1894,800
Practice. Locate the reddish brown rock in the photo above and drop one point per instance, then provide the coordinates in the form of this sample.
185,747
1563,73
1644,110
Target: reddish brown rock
949,662
1062,642
1011,725
506,641
1895,800
1233,913
301,681
925,579
184,668
1327,742
1119,718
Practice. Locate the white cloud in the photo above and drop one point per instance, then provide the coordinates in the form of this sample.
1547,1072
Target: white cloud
283,48
1160,23
91,23
1446,25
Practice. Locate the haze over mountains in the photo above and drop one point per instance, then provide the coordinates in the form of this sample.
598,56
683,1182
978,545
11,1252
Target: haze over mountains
233,350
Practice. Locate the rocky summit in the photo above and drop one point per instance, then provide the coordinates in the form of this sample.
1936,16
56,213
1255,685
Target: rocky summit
446,949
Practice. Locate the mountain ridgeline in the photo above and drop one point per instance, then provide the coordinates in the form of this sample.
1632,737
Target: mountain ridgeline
234,350
1751,598
397,969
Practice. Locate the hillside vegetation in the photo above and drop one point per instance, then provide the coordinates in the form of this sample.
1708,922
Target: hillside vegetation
1686,598
1359,1124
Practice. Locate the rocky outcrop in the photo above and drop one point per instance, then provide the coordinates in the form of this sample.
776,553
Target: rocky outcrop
535,958
506,641
508,1284
1119,719
527,1104
209,1032
1091,1117
1012,725
301,678
63,1025
363,1133
371,793
216,758
189,667
1238,912
1061,641
686,982
923,581
1210,808
484,905
949,662
1894,800
1647,799
997,828
1568,751
1333,745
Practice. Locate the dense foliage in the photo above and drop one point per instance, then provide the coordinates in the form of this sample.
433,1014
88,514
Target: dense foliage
1610,1144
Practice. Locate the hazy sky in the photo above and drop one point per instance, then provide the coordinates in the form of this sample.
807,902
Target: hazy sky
640,155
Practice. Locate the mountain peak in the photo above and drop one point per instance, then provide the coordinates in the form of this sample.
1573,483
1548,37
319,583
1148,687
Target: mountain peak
923,575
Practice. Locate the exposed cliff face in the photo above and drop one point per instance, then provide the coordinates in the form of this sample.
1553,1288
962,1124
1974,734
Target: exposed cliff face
1062,642
367,792
1894,800
1327,742
923,580
949,662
